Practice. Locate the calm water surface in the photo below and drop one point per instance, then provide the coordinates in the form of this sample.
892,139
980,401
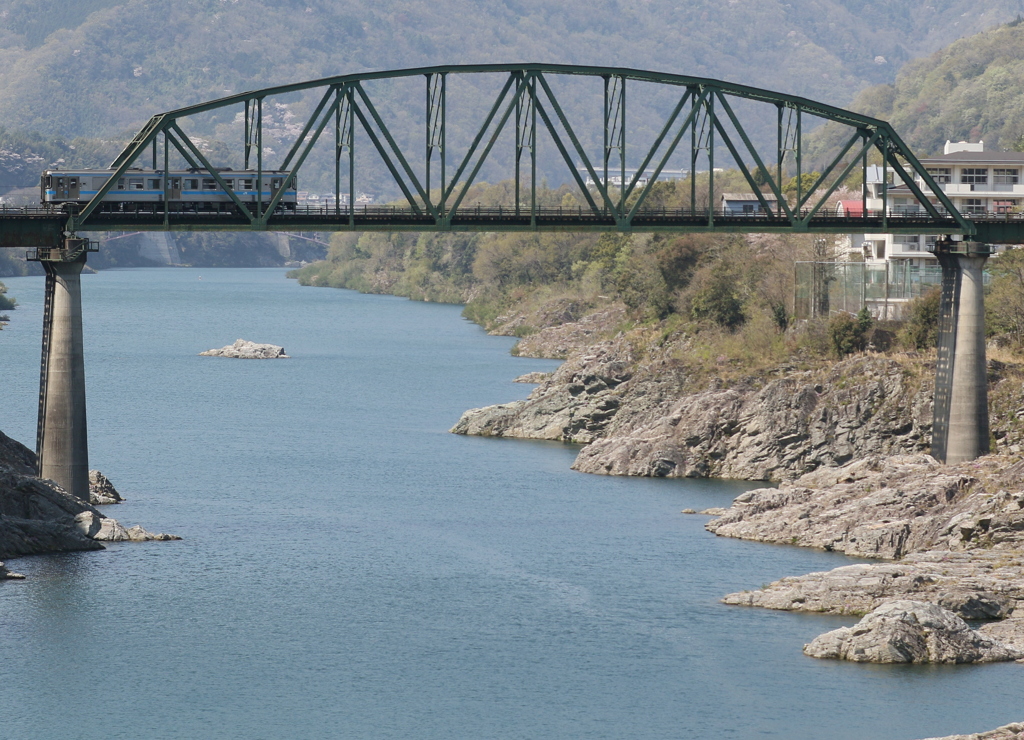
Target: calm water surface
351,570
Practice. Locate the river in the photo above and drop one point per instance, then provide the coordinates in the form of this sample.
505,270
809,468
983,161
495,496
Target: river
350,569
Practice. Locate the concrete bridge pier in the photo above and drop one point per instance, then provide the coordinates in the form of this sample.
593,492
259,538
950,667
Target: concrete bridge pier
61,438
960,428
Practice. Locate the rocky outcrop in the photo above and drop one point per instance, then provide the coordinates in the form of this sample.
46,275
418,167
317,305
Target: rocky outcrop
906,631
956,533
6,575
573,405
1013,731
638,415
101,490
534,378
974,585
38,516
95,526
776,430
564,331
886,508
246,350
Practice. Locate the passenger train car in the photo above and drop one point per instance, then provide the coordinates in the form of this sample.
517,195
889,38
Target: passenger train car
144,190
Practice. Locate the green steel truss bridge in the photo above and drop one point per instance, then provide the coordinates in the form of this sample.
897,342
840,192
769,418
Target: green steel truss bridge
705,118
702,119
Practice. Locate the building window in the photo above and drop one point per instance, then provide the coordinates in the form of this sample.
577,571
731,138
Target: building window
940,174
974,176
974,205
1005,179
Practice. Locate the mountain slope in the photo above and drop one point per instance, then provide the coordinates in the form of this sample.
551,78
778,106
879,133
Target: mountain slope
101,67
973,89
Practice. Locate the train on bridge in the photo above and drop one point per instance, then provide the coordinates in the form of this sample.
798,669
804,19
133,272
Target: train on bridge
185,191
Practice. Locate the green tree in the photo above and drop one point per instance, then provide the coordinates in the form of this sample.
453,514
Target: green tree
921,330
718,299
1005,304
848,333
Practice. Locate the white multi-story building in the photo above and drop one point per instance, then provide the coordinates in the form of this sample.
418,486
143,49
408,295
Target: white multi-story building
898,267
976,181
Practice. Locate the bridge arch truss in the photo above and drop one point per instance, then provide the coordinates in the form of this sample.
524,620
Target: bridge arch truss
705,116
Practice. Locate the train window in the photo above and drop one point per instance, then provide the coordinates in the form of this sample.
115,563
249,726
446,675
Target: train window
209,183
230,184
60,182
120,184
72,182
245,184
135,183
48,182
275,183
192,184
155,184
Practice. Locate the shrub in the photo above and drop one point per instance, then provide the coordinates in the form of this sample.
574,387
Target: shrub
717,301
921,329
848,333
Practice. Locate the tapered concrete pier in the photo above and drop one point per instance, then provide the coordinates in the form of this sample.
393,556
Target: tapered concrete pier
968,400
960,429
62,441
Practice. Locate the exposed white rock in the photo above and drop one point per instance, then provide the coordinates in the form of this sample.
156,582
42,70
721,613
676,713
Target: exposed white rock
104,529
246,350
6,575
907,631
1013,731
101,490
534,377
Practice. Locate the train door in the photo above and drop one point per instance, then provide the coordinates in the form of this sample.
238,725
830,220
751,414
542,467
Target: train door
74,187
174,189
275,185
60,187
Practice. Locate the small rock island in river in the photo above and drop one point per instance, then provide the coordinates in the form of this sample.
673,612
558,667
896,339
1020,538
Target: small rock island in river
245,350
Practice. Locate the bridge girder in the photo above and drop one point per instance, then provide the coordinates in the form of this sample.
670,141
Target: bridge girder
703,108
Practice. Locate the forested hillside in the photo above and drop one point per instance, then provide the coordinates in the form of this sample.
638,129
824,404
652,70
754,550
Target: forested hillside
99,68
971,90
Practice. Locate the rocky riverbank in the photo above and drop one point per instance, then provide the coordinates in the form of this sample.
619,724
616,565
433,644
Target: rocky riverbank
848,441
954,537
645,418
38,516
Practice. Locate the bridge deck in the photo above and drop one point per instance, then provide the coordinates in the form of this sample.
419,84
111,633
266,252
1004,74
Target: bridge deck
40,227
506,218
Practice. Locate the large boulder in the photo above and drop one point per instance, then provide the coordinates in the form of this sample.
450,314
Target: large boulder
245,350
910,632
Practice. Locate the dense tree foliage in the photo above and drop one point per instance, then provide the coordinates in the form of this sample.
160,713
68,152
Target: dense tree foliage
970,90
1005,300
